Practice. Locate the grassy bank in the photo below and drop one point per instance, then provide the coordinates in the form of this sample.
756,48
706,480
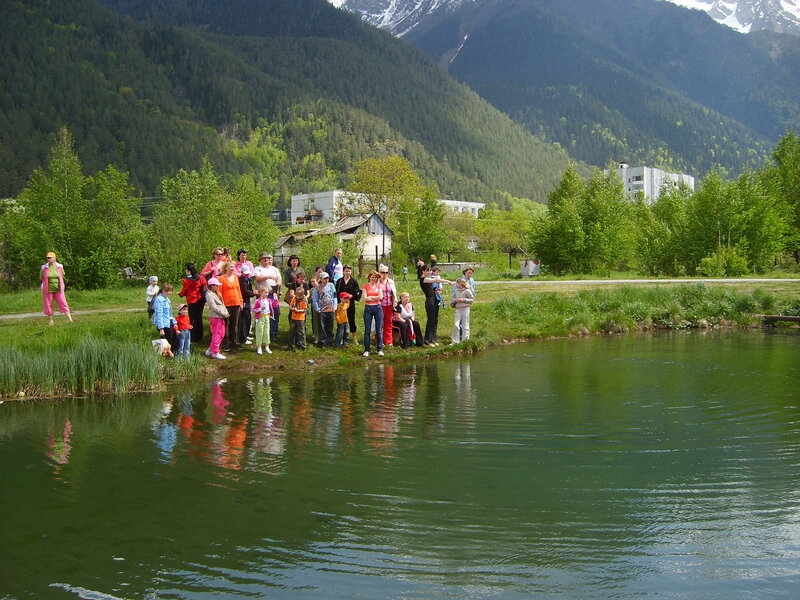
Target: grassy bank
111,352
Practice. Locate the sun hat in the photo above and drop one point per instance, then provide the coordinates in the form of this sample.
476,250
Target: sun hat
264,255
246,269
50,255
323,275
383,269
212,281
344,296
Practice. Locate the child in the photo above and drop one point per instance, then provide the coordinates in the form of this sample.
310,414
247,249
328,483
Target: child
324,299
463,299
184,335
342,322
150,294
297,327
165,323
262,312
436,273
217,313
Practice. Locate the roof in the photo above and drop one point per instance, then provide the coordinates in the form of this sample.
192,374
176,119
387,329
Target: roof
349,223
297,236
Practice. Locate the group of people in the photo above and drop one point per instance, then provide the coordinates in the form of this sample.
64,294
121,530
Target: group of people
244,305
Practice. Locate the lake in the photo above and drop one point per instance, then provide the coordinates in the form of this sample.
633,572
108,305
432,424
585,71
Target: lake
659,466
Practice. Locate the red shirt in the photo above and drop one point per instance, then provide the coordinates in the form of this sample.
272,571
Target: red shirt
191,289
183,322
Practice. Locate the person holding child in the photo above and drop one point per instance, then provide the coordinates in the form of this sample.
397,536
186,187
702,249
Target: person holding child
431,304
262,312
463,299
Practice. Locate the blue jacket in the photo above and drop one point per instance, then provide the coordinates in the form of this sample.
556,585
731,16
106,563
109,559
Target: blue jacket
329,292
162,315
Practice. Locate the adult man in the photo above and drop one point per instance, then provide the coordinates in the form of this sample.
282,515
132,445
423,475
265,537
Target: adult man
267,274
335,268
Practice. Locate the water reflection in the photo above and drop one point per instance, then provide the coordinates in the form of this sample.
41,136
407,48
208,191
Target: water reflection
617,469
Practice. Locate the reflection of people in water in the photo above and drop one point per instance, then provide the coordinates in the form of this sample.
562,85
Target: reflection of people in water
166,432
59,446
466,401
269,435
381,417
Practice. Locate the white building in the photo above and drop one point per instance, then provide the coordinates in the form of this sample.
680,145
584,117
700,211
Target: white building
330,205
648,182
316,207
462,206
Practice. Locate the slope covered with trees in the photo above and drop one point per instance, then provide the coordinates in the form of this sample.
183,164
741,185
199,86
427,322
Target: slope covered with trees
290,93
636,80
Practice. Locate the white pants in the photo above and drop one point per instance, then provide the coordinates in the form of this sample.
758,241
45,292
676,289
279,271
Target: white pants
461,325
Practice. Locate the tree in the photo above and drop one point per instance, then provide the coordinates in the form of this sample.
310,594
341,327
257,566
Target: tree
425,233
382,184
784,178
560,238
92,223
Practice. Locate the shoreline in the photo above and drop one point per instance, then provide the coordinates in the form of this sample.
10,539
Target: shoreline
111,354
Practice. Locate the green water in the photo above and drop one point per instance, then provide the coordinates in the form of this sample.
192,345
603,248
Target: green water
627,467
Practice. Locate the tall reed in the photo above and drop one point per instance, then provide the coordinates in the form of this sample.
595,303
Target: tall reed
91,366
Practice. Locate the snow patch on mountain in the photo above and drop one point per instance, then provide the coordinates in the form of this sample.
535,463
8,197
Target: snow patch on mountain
750,15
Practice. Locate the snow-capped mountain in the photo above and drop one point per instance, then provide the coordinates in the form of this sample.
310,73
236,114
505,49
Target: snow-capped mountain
400,17
751,15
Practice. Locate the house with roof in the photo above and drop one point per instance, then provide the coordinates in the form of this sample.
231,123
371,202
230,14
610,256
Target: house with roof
375,235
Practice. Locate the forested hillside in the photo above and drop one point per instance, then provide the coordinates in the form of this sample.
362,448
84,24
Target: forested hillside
292,93
643,81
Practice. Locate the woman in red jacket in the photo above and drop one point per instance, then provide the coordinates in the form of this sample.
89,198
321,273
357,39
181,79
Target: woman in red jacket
193,290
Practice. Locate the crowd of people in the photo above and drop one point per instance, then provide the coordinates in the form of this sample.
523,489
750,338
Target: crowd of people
244,305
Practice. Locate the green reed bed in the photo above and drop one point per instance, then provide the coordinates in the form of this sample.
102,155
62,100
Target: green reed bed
90,367
101,353
621,309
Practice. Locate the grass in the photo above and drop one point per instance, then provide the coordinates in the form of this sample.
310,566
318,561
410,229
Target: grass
110,352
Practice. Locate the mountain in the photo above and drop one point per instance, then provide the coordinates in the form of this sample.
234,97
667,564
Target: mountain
781,16
290,93
641,80
401,17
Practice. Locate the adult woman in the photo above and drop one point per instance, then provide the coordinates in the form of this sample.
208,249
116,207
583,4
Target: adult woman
390,298
214,267
232,297
193,290
290,274
373,294
405,318
431,304
52,278
350,286
241,261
